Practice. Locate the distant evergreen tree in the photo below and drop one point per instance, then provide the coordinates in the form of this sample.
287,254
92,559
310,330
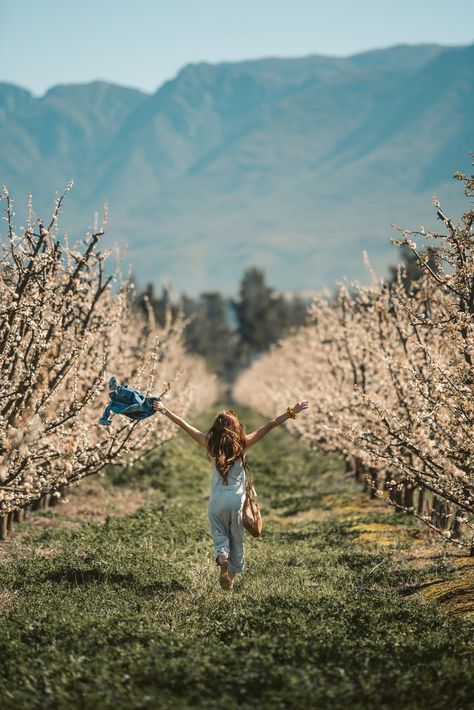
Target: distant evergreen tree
263,316
210,334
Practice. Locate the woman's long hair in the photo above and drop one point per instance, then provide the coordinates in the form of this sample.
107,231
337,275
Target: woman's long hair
226,441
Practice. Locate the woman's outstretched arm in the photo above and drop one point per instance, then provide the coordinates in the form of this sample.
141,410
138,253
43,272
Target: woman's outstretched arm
188,428
260,433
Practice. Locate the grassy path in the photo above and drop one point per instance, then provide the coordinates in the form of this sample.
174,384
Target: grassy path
127,613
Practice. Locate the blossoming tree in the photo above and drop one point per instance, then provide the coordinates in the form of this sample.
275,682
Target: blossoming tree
389,373
66,325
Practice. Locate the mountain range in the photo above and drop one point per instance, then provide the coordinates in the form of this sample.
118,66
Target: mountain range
294,165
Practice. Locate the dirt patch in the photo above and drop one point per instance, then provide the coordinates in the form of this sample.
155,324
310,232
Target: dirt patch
92,501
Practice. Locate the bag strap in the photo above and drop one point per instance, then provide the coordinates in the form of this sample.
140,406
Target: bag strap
248,472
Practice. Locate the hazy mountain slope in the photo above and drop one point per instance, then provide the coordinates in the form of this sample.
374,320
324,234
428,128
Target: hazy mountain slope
294,164
45,141
319,176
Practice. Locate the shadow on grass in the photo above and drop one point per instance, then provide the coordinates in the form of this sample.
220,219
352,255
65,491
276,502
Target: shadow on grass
320,535
77,577
292,505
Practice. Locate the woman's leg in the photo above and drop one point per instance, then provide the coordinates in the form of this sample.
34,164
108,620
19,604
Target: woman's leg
219,531
236,557
219,524
225,579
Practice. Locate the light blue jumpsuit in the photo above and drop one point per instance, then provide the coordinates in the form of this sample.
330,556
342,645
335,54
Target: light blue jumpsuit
225,514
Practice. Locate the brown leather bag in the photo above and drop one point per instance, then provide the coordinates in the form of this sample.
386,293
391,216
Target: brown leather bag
251,514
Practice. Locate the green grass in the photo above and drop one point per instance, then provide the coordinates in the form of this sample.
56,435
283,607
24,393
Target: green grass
128,614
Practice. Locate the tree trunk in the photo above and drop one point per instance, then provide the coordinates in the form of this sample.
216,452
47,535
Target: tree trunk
19,515
3,527
397,497
10,523
373,482
408,495
36,504
456,527
349,468
439,513
421,501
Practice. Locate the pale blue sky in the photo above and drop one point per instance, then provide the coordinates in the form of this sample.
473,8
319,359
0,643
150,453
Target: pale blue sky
142,43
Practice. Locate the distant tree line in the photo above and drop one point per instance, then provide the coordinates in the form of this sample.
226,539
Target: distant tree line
229,333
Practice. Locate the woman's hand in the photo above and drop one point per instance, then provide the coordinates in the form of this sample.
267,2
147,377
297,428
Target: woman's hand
299,406
258,434
157,406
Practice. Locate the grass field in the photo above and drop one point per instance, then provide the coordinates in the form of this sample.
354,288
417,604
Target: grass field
337,608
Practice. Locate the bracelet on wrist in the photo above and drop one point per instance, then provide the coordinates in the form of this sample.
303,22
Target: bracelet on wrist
291,412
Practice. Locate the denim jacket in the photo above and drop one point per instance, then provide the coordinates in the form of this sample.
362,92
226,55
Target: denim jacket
127,401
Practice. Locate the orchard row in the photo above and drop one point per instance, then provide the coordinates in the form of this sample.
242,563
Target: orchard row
67,323
389,373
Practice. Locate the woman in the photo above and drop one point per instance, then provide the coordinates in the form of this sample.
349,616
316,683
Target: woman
226,443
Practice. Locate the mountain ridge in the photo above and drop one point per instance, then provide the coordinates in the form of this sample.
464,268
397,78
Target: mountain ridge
296,165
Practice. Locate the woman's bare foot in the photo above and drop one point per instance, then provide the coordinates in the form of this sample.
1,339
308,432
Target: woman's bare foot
224,578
